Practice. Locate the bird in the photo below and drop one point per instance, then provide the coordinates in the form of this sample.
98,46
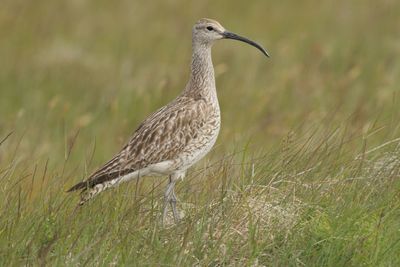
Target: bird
172,139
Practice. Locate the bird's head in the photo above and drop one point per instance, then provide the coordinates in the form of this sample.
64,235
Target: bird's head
207,31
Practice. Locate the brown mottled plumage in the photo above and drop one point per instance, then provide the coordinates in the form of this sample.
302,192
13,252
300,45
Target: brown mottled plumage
176,136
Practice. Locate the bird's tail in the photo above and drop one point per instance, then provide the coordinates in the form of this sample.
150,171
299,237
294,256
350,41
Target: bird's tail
90,192
86,195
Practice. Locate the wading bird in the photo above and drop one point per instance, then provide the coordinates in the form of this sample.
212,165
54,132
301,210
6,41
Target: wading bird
176,136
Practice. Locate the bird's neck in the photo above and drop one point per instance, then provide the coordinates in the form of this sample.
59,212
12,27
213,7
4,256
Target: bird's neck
202,81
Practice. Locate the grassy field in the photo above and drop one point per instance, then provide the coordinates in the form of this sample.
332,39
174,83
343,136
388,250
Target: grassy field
306,170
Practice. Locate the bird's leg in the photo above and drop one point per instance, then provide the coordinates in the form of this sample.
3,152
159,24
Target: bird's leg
167,197
173,205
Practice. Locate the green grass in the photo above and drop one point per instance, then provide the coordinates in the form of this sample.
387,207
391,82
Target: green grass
306,168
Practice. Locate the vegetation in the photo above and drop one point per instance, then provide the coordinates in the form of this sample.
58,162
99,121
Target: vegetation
306,168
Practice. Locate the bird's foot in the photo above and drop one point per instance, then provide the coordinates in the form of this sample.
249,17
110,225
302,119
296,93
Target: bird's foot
171,200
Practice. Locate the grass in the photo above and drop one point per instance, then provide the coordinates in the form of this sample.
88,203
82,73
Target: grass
306,168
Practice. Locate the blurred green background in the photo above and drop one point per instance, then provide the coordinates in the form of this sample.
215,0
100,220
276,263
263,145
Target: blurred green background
77,77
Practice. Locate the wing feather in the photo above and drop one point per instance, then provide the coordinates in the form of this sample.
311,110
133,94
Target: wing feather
162,136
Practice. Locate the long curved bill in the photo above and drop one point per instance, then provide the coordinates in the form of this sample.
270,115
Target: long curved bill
234,36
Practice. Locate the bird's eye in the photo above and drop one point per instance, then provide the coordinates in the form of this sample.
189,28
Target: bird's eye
210,28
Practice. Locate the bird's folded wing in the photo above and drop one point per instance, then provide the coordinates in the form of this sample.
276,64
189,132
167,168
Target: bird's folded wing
162,136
